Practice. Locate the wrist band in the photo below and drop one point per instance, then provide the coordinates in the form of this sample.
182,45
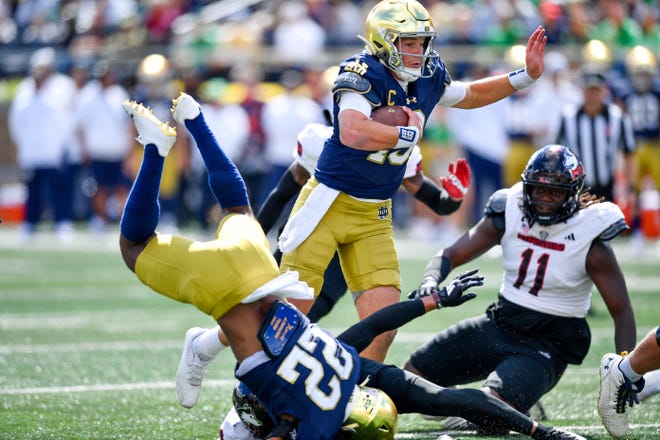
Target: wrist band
520,79
408,136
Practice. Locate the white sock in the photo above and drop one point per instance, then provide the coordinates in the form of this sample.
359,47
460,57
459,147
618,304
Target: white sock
627,370
207,345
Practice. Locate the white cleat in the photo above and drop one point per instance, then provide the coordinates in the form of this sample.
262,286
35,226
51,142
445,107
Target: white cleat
184,107
151,130
611,399
191,371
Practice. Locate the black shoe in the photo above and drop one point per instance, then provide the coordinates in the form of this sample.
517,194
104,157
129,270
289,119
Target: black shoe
557,434
460,424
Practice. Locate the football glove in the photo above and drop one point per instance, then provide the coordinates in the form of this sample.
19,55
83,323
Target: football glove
453,294
457,181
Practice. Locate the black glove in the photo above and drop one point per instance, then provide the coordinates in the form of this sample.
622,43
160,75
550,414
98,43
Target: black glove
453,294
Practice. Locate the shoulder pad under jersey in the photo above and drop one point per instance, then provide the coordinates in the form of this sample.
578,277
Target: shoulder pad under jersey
496,206
614,230
351,81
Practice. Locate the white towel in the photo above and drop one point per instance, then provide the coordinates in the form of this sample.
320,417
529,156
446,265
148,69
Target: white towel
287,285
303,222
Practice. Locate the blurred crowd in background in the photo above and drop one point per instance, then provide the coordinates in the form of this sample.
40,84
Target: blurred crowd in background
263,70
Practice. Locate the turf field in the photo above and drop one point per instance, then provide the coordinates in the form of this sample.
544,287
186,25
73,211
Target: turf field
88,352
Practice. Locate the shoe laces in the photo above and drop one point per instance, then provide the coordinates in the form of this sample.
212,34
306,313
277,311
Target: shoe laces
627,394
196,370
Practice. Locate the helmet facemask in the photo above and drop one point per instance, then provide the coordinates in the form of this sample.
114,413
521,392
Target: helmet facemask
391,21
554,169
251,412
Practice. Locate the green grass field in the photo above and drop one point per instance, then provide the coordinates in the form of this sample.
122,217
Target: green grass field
88,352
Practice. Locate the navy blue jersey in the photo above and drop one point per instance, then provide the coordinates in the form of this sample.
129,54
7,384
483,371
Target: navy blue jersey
311,379
644,112
376,174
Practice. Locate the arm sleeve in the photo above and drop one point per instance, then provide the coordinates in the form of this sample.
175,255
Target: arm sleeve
361,334
436,198
270,211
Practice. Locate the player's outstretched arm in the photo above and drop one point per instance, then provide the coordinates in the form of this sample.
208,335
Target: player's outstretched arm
394,316
445,198
494,88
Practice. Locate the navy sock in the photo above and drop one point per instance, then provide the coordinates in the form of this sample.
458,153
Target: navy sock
226,182
142,209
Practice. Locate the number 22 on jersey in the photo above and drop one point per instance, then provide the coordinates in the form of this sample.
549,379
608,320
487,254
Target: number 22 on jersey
334,365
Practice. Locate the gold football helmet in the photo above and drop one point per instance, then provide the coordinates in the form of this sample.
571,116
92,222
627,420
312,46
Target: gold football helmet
372,417
641,66
640,59
391,20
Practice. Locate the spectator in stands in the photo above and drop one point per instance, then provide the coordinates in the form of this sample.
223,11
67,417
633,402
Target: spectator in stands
485,149
100,117
283,118
40,124
296,37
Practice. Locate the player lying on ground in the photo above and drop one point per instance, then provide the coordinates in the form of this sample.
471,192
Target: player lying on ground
408,393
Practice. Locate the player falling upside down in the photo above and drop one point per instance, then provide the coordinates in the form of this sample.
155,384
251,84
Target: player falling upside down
202,346
554,239
303,375
391,391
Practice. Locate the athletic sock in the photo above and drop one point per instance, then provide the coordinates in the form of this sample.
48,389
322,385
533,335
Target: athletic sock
226,182
207,345
142,210
628,372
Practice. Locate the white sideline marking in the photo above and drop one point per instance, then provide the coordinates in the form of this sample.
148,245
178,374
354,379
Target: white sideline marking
111,387
88,346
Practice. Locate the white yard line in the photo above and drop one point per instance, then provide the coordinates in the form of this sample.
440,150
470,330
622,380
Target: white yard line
139,386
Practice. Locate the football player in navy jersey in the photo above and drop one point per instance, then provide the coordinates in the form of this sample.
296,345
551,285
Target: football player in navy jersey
390,391
200,347
641,100
554,240
346,206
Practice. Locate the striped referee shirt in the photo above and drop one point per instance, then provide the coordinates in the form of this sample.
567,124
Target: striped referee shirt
596,139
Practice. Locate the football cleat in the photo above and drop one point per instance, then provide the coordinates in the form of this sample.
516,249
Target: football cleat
184,107
151,130
560,434
615,393
191,371
455,423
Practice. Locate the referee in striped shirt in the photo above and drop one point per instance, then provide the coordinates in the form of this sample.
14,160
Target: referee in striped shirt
597,131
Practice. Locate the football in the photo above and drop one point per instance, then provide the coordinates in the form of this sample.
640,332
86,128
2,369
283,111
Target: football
390,115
